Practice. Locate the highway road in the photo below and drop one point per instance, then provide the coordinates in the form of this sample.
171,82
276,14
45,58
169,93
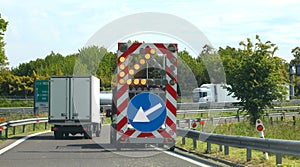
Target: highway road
44,151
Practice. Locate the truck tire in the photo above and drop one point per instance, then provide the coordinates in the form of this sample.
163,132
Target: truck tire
58,135
98,133
88,135
172,148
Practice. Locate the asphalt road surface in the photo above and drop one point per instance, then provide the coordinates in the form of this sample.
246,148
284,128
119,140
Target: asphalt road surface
45,151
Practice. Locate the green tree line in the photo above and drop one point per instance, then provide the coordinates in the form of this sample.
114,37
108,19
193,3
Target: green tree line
256,74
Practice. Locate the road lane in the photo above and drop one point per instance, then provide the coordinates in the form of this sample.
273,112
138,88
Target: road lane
75,151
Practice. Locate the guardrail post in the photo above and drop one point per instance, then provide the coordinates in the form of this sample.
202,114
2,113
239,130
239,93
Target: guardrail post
34,126
249,155
226,150
221,148
24,129
208,147
278,158
6,131
14,130
46,125
271,120
183,140
195,143
294,120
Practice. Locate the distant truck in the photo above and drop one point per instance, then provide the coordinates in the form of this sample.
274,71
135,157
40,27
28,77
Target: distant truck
74,106
213,94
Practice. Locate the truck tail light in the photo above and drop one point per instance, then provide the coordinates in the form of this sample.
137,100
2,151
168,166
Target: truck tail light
54,129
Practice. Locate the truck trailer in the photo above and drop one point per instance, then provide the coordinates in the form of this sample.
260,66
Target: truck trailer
213,94
74,106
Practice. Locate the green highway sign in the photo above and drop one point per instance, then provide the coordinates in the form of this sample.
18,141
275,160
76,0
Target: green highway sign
41,93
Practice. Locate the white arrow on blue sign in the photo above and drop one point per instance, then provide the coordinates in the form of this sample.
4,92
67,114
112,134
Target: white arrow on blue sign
146,112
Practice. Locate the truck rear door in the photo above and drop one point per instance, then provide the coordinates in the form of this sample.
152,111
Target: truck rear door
81,97
59,99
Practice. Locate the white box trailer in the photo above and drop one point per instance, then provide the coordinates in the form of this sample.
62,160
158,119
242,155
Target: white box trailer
213,94
74,105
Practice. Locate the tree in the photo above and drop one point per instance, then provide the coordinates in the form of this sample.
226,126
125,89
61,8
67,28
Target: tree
296,61
256,76
214,71
106,69
3,58
88,60
296,54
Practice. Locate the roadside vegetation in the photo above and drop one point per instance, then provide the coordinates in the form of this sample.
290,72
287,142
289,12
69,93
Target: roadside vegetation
287,129
4,102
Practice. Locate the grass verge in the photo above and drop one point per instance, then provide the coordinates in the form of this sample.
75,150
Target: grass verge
238,155
287,129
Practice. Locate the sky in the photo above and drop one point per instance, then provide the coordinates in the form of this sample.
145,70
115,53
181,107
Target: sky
38,27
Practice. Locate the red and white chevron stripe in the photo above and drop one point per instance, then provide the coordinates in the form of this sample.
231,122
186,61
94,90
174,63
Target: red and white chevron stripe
124,134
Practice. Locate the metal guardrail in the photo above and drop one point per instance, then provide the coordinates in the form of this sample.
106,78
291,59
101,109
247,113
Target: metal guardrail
186,123
17,109
180,111
276,146
196,111
13,124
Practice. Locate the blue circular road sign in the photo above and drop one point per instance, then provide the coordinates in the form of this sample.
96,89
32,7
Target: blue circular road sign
146,112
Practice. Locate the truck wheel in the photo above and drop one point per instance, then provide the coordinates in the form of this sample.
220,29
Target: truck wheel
172,148
88,135
98,133
58,135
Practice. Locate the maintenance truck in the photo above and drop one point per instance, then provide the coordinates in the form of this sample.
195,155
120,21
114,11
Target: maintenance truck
144,95
74,106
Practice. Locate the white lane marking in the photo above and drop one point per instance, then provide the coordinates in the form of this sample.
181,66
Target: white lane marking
3,150
182,157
